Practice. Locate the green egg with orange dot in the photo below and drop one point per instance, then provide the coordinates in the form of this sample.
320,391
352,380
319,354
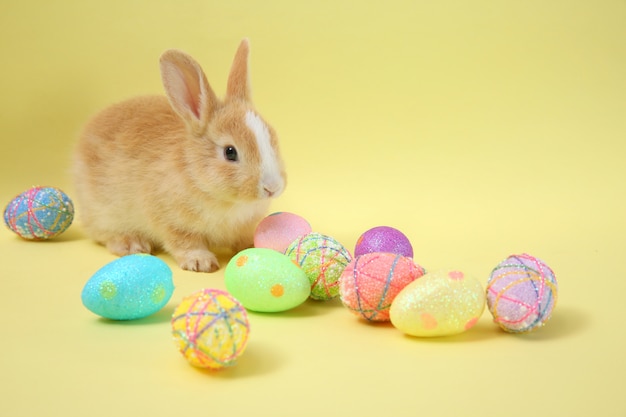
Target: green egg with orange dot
265,280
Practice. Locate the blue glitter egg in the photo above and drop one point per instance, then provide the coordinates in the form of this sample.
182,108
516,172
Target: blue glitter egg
128,288
39,213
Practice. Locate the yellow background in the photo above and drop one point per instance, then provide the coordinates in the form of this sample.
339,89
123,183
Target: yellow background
479,128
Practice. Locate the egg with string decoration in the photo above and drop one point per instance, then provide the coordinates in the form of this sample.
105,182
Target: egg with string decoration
370,283
210,329
39,213
383,239
278,230
441,303
323,259
521,293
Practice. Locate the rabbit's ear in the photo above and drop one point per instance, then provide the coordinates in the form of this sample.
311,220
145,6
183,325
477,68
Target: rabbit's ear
187,89
238,86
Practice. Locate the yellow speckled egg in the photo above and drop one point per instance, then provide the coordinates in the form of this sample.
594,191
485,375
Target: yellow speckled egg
441,303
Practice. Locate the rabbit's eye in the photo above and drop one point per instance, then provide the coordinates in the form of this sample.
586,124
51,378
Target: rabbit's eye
230,153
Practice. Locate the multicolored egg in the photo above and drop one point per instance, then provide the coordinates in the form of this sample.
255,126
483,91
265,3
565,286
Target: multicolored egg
39,213
371,282
278,230
521,293
383,239
323,259
128,288
210,329
264,280
441,303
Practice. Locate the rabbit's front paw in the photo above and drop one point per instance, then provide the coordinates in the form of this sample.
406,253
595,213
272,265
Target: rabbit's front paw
198,261
128,245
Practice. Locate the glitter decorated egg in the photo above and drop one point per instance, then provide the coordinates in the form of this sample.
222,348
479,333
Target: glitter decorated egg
210,329
383,239
131,287
39,213
521,293
323,259
266,281
278,230
371,282
441,303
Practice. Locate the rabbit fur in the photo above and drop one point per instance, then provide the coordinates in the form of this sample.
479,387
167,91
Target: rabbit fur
186,173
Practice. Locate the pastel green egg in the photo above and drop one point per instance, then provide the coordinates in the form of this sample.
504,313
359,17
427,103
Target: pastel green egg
264,280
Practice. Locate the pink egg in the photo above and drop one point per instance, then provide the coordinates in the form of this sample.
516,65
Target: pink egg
278,230
370,283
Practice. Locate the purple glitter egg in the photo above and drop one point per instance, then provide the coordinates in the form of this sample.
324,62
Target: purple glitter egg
521,293
383,239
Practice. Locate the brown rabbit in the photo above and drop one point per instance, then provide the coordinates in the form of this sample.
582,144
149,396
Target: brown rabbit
186,174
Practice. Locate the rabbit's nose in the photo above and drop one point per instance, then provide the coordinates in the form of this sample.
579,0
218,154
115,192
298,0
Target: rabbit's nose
273,189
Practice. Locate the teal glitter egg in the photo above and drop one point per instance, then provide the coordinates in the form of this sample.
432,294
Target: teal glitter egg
39,213
128,288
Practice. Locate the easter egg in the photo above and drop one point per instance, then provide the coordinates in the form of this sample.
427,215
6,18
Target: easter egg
278,230
521,293
383,239
131,287
264,280
210,329
322,259
39,213
371,282
441,303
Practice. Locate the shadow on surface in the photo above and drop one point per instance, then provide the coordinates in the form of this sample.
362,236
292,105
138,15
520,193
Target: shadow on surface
480,332
565,322
70,235
310,308
162,316
257,360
